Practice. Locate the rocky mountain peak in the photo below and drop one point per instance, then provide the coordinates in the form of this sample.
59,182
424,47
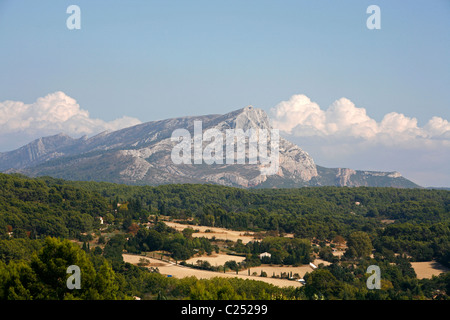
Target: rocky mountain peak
141,154
251,117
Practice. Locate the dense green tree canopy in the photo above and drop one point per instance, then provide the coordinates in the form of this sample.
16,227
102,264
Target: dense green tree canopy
45,275
387,227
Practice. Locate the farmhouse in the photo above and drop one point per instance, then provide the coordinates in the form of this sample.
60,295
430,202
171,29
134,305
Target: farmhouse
265,254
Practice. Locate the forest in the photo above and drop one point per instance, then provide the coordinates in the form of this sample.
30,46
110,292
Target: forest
47,223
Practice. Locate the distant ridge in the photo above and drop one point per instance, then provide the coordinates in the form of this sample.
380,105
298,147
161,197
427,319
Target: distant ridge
439,188
140,155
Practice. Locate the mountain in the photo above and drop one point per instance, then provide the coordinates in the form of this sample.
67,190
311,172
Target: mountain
38,151
439,188
142,154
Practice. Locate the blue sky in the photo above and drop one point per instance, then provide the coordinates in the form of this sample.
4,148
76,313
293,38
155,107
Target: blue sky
152,60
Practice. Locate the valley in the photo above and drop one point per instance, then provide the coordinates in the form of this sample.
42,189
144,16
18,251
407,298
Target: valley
199,241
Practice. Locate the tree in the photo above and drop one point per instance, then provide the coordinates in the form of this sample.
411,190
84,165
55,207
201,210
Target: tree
17,281
232,265
45,275
154,240
97,251
50,266
133,228
114,249
326,254
109,218
180,252
106,283
127,223
85,247
359,244
339,240
321,283
187,233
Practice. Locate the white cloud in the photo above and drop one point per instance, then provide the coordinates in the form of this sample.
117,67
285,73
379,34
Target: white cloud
301,117
52,114
438,128
299,109
344,135
345,119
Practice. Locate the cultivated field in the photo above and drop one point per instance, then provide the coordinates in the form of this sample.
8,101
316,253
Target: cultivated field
168,268
210,232
428,269
276,270
216,259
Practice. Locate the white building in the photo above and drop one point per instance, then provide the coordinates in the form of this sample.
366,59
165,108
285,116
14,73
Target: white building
265,254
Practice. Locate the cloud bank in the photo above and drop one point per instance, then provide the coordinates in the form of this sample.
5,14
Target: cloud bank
344,135
52,114
301,117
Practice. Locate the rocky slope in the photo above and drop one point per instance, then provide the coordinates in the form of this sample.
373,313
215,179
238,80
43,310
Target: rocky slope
142,154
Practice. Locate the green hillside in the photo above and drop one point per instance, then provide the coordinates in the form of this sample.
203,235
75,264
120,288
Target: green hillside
388,227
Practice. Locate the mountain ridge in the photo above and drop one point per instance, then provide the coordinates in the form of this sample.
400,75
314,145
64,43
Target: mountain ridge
141,154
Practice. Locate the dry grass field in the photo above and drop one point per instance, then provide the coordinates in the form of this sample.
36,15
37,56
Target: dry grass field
178,271
210,232
277,270
216,259
428,269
